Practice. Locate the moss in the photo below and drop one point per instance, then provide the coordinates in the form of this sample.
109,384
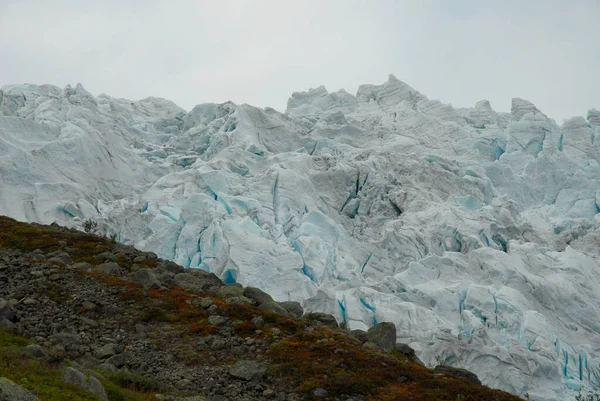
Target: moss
42,377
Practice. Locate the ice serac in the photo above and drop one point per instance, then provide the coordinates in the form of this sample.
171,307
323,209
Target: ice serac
474,231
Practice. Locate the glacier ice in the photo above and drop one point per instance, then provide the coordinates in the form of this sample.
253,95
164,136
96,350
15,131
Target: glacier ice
475,232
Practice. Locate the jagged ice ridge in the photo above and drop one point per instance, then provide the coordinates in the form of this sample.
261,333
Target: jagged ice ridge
476,232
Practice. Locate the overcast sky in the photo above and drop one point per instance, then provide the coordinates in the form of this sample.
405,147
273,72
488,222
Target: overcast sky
259,52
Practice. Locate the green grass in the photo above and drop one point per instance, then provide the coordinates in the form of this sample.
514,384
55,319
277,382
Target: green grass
42,377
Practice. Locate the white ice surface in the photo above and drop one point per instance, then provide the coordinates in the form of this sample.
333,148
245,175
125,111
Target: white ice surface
476,232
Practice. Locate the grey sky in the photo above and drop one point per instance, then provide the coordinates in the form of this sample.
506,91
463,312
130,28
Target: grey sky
259,52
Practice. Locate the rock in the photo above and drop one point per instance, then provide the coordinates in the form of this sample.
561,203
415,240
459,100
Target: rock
7,311
29,301
257,321
275,331
117,360
172,267
108,367
320,393
217,320
147,278
96,387
88,322
241,300
383,334
10,391
370,345
360,335
274,307
293,308
203,303
110,268
183,384
36,350
324,319
247,370
458,372
257,295
7,324
230,291
197,280
105,256
90,384
81,266
405,350
60,257
65,340
106,351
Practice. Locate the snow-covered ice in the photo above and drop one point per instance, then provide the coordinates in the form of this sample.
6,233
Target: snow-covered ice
476,232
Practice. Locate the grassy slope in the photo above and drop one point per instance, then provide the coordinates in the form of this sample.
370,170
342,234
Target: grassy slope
302,357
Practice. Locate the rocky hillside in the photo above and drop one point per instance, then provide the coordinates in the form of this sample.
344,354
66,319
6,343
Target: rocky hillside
85,318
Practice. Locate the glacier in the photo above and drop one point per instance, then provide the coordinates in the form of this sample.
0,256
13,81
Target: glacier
475,232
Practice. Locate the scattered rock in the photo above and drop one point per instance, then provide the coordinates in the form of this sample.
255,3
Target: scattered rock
10,391
248,370
458,372
320,393
383,334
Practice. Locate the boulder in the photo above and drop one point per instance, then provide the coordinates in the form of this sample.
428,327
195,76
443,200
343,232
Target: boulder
197,280
7,311
324,319
360,335
217,320
86,383
383,334
274,307
105,351
257,295
171,267
110,268
147,278
36,350
293,308
248,370
458,372
408,352
230,291
7,324
105,256
10,391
